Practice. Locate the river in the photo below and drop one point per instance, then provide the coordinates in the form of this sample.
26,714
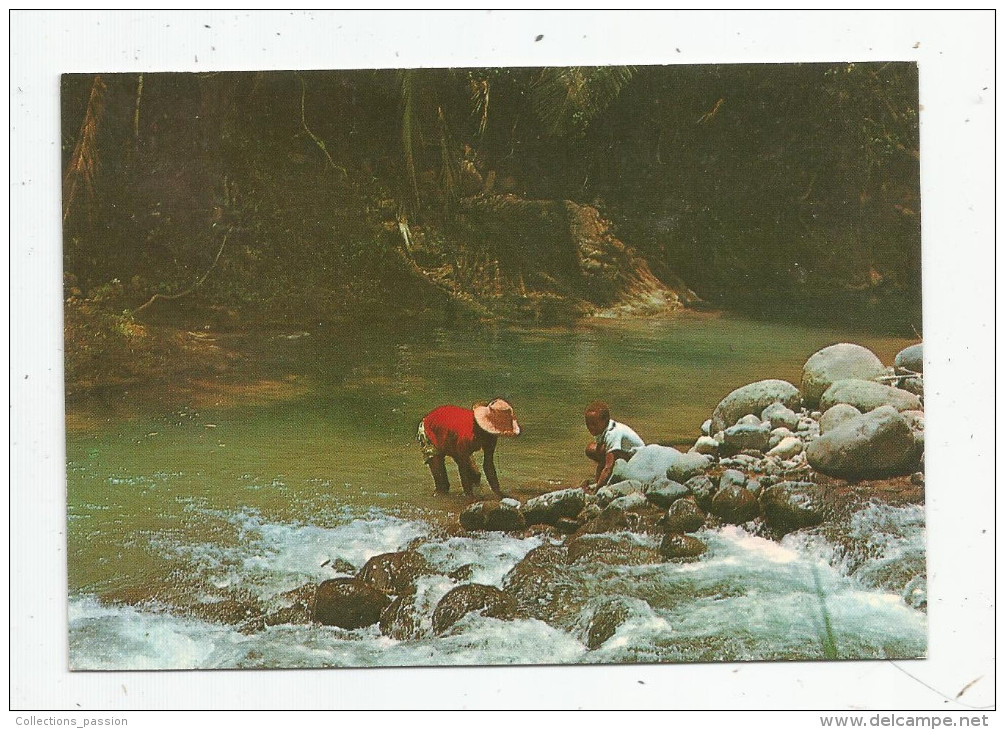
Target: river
186,511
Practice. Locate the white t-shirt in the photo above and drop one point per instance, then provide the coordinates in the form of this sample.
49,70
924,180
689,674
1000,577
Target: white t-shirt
619,437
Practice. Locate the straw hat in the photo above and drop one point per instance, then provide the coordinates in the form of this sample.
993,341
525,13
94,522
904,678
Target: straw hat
497,418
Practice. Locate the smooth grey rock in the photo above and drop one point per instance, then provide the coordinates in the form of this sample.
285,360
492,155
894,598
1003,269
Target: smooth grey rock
779,416
776,436
838,413
877,443
628,502
732,477
837,362
787,448
686,466
752,399
647,464
607,494
742,437
549,508
867,396
462,600
665,492
910,359
748,420
706,427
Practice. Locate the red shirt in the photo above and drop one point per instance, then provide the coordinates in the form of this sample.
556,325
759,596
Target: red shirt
451,429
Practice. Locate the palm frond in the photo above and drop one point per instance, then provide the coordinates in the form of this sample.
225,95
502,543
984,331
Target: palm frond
567,99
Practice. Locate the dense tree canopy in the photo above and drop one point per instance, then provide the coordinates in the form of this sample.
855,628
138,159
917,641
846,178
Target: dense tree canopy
283,192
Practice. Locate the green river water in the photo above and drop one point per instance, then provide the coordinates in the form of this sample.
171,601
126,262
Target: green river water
241,495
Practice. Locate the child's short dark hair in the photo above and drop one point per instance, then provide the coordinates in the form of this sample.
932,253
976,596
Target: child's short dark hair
600,409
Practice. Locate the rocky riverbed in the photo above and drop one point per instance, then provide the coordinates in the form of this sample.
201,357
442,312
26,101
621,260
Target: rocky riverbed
779,461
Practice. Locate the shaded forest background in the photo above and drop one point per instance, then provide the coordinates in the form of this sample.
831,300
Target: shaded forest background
289,199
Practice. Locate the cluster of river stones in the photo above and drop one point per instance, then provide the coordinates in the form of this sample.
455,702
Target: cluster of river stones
756,464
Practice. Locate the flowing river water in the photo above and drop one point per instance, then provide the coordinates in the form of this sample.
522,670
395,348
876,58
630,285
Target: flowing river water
188,519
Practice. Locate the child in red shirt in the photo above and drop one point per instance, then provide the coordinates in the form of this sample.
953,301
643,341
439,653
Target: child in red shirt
460,432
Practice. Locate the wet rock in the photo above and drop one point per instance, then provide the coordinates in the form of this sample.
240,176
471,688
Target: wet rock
878,443
834,363
348,603
299,608
706,445
607,494
746,436
544,588
633,501
684,467
621,549
868,396
681,547
780,416
567,525
473,517
503,517
706,427
777,434
647,464
837,414
486,600
787,448
753,399
550,507
394,573
665,492
589,512
735,504
910,359
684,515
399,620
608,521
703,490
792,505
604,623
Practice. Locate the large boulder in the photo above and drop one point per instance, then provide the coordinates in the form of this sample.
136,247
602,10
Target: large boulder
910,359
753,399
394,572
348,603
647,464
462,600
866,396
875,444
549,508
837,362
836,415
504,516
